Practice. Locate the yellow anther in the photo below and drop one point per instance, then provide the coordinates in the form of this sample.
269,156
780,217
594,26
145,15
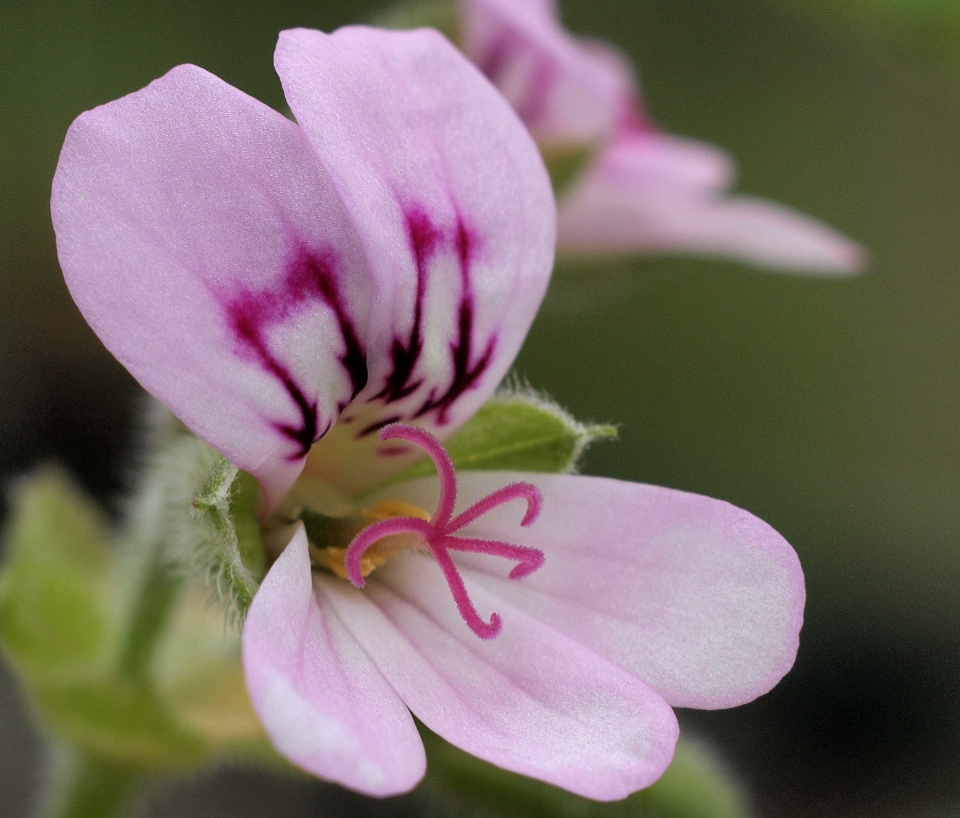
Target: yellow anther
385,509
332,557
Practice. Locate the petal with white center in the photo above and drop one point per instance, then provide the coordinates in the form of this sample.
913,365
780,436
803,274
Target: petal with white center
457,216
700,599
323,703
533,700
206,246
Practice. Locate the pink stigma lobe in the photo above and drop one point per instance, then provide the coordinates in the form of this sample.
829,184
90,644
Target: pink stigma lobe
437,534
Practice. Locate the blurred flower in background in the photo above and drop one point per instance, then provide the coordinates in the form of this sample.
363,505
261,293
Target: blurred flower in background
625,186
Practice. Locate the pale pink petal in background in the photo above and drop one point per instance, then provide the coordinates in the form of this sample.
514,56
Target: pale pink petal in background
564,92
649,192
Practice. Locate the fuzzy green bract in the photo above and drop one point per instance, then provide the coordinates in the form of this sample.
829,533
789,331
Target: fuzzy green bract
228,548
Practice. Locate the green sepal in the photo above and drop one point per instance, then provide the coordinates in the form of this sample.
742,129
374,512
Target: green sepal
694,786
55,584
522,431
211,520
439,14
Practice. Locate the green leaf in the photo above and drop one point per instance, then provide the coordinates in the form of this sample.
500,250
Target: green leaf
694,786
55,583
438,14
517,429
118,720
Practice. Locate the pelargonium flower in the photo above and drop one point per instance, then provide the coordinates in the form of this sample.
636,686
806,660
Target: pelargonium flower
323,302
643,190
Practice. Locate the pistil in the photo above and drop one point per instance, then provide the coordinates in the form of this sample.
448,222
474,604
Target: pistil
437,533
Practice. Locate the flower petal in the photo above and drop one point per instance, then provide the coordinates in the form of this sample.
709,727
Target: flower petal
532,700
457,215
324,704
567,92
650,192
207,248
700,599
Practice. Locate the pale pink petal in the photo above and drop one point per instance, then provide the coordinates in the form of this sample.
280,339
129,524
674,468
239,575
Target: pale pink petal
322,701
653,193
205,245
635,158
456,212
532,700
700,599
567,92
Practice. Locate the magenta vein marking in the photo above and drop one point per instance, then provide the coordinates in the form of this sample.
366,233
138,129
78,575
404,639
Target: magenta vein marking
308,278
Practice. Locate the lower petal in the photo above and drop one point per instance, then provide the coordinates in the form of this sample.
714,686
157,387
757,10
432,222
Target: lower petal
533,700
700,599
322,701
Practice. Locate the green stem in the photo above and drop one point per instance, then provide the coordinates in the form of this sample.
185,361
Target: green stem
85,786
152,605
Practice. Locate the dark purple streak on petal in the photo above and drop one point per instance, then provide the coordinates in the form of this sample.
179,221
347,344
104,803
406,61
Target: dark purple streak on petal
424,237
465,374
310,277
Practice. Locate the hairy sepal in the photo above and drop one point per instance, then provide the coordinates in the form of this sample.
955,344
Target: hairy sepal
211,523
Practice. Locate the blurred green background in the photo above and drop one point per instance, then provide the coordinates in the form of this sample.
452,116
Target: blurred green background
829,408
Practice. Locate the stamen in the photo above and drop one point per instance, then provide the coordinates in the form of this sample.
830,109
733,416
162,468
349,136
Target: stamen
437,532
385,509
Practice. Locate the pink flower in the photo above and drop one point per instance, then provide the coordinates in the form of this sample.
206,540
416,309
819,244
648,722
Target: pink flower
643,191
298,295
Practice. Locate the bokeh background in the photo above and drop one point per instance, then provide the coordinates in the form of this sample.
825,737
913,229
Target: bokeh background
831,408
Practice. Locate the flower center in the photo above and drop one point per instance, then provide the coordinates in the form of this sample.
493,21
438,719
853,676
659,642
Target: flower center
404,527
333,558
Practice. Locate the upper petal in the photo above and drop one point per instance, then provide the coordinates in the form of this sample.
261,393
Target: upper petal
700,599
206,246
457,217
533,700
651,192
567,92
324,704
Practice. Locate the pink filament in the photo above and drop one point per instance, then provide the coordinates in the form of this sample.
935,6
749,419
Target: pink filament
437,534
